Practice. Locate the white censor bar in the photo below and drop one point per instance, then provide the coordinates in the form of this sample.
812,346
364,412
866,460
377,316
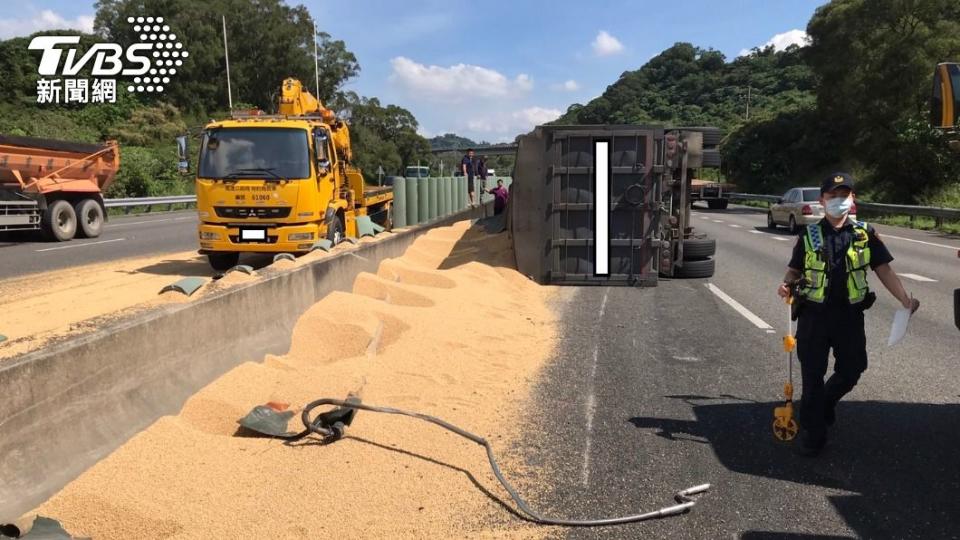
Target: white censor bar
601,205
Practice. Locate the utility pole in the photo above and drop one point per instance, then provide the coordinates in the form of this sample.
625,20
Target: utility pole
749,88
226,54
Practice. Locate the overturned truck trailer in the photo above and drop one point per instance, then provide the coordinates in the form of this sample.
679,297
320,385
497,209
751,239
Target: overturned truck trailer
608,205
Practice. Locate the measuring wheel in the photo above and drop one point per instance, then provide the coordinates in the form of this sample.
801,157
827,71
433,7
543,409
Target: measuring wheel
785,429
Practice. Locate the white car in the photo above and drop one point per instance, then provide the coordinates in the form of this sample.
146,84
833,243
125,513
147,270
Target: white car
797,208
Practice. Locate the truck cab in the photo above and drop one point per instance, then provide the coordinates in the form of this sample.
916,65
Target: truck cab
274,184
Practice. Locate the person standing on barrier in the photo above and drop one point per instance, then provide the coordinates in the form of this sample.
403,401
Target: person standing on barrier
468,169
828,269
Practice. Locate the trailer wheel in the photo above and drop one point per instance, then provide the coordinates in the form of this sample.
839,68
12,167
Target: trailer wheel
223,261
697,269
89,218
59,221
711,157
699,248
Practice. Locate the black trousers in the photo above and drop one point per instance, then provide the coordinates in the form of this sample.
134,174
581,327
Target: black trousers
818,331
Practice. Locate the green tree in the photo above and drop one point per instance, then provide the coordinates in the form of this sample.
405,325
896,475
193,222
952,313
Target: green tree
269,41
873,61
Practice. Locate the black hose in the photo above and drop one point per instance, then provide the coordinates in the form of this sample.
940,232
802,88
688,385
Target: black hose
684,498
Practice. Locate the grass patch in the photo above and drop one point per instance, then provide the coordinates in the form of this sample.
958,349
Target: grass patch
142,210
755,204
918,222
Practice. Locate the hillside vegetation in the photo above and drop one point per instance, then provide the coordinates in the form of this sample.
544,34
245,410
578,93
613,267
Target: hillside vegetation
856,98
269,41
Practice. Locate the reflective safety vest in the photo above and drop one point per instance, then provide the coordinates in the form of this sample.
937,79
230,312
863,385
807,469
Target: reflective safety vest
815,264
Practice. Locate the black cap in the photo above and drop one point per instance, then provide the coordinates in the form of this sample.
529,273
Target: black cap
835,181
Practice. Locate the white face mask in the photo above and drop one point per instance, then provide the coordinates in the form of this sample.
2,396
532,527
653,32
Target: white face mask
837,207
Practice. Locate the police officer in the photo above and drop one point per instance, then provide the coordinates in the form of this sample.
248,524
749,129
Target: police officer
829,268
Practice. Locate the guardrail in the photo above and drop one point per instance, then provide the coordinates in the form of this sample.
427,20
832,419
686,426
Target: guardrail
937,213
149,202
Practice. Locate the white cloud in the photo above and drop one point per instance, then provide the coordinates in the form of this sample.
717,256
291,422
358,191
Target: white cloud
457,83
606,45
521,121
568,86
783,40
44,20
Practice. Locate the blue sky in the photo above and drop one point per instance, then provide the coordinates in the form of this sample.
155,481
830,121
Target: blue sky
492,69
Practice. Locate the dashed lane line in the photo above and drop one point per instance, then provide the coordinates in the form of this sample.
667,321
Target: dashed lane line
739,308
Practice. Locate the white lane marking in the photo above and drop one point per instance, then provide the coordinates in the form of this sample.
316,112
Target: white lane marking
916,277
601,159
717,221
591,398
885,235
755,232
76,245
747,314
123,224
780,238
735,226
591,409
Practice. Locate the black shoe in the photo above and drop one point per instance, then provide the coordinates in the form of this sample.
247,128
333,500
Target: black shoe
808,446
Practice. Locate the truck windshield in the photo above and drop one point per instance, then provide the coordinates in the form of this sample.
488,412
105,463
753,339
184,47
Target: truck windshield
255,153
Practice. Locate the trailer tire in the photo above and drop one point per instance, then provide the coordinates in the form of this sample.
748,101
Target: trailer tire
699,248
711,157
711,135
335,230
697,269
224,260
89,218
59,221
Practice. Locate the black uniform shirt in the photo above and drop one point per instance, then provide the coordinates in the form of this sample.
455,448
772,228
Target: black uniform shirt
836,243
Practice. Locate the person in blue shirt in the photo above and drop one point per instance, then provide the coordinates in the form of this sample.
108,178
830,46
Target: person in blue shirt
469,169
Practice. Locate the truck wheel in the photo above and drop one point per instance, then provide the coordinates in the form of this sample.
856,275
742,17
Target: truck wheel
699,248
59,221
716,204
335,231
89,218
223,261
711,157
697,269
724,203
711,135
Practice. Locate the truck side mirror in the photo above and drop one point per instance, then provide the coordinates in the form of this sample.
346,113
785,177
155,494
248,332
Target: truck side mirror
184,163
320,146
945,99
956,308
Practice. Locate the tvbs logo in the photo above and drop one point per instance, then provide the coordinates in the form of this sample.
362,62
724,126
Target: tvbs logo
151,63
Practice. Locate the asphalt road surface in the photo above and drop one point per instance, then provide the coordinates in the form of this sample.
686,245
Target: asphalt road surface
134,236
659,389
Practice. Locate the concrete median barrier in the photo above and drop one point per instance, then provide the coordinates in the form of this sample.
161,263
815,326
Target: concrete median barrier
66,406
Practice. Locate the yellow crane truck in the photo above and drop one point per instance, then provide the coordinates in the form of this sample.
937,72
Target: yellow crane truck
279,183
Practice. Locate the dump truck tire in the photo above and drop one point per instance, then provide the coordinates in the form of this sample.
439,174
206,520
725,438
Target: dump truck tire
699,248
223,261
59,221
89,218
697,269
